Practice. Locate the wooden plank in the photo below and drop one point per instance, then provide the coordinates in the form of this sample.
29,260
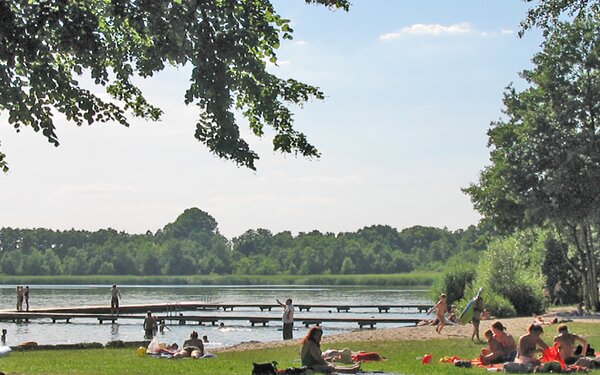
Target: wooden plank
192,306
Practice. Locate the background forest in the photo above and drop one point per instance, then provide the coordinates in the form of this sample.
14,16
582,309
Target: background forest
192,245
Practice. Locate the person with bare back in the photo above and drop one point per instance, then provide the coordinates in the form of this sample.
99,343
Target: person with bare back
566,344
441,308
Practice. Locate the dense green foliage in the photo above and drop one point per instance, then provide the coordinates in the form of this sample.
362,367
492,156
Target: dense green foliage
402,357
509,271
419,279
545,154
47,46
192,245
547,13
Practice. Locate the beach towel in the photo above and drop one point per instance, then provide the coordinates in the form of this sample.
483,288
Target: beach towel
367,357
551,355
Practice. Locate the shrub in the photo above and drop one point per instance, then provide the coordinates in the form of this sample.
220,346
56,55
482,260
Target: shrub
510,268
453,282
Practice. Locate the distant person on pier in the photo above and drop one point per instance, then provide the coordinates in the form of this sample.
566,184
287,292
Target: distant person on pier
149,326
288,319
193,347
114,300
26,296
3,339
19,298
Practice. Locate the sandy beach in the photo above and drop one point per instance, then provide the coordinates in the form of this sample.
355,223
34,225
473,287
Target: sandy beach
514,326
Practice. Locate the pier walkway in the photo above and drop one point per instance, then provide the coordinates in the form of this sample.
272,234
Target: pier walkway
192,306
200,319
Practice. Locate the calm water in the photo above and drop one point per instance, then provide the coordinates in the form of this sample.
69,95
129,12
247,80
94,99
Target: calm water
88,330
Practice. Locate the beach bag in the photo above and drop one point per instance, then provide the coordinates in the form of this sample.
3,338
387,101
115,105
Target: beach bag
269,368
153,347
518,368
589,353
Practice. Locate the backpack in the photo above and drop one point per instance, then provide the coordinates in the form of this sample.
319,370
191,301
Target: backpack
269,368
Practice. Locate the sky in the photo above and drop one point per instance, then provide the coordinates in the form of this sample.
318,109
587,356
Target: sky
411,87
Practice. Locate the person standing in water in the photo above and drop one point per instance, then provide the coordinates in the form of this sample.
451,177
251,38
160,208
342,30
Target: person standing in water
288,319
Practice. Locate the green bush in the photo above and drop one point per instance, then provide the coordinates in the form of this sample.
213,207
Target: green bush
511,269
453,282
498,305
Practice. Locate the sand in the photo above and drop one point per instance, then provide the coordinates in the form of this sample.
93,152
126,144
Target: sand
514,326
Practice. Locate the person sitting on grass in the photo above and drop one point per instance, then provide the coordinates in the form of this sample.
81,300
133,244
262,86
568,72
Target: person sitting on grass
193,347
528,345
312,356
506,350
566,344
492,344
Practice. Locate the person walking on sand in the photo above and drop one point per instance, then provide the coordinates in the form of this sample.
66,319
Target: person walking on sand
441,308
477,312
114,300
558,293
287,319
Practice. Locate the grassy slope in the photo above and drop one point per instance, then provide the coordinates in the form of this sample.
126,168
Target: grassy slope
402,358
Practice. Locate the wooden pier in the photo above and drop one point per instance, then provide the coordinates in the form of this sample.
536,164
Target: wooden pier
200,319
193,306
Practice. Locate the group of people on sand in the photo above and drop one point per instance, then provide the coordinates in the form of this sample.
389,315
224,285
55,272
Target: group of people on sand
441,308
22,296
502,347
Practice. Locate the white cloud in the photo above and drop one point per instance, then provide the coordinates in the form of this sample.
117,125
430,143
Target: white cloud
429,30
506,31
300,43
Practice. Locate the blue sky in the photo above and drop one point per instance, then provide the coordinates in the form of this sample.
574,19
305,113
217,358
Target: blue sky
411,87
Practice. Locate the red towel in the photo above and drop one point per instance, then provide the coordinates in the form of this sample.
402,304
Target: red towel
551,355
367,357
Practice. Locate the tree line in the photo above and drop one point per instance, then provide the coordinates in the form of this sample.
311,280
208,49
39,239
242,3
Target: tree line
192,245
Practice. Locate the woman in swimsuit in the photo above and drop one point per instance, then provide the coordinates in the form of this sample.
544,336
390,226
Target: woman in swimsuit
528,345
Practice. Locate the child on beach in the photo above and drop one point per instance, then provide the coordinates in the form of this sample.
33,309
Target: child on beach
441,309
492,344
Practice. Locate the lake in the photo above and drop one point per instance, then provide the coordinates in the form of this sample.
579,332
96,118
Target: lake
88,330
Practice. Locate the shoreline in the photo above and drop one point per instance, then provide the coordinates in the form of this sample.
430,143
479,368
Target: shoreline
515,326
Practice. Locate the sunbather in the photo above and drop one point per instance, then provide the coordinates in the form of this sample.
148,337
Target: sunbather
193,347
312,357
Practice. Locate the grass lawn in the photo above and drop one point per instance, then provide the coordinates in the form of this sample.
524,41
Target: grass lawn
401,358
